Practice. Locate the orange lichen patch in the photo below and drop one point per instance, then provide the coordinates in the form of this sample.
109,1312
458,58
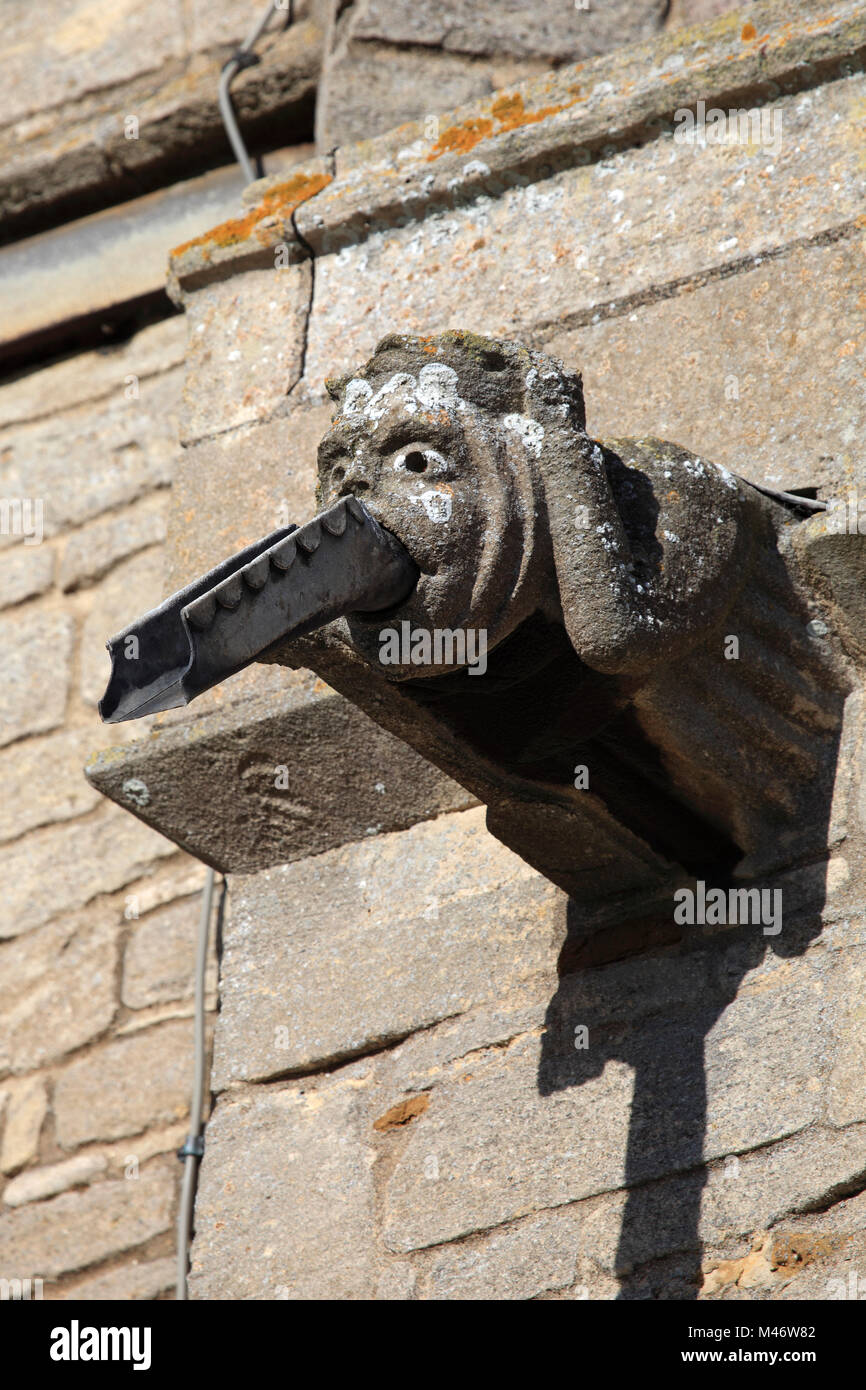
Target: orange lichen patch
460,139
748,32
402,1113
509,113
277,204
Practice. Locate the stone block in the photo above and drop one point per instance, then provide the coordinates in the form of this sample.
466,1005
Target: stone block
367,91
567,1122
90,553
124,1086
350,950
285,1160
132,1281
588,238
60,868
740,386
25,572
26,1108
89,48
57,991
553,33
35,655
230,490
88,460
38,1183
91,376
77,1229
159,960
405,62
246,344
44,778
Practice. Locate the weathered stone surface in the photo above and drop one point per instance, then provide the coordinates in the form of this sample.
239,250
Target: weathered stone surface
176,879
130,1281
134,586
86,461
747,398
57,991
234,786
847,1010
403,62
230,490
556,33
92,46
35,656
368,91
26,1107
658,215
159,960
91,376
98,855
24,573
246,340
125,1086
76,1229
285,1159
44,778
89,553
684,12
77,149
38,1183
346,951
568,1115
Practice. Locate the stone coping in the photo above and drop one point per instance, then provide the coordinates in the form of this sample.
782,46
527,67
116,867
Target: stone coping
568,117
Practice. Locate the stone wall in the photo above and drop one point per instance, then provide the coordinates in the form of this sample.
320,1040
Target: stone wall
401,1111
99,913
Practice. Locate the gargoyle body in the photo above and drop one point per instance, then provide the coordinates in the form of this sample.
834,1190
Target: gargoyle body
653,699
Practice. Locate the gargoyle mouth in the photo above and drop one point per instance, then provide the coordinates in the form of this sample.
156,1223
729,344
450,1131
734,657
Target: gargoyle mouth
285,585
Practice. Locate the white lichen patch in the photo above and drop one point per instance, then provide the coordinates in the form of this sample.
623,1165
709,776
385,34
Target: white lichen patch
530,432
437,504
437,387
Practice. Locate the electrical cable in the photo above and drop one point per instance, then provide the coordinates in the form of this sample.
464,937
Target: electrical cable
244,57
193,1149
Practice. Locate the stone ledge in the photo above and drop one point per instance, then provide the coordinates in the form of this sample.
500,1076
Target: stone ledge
209,784
561,120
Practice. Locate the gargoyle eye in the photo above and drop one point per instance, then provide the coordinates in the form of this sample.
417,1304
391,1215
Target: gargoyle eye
338,473
415,461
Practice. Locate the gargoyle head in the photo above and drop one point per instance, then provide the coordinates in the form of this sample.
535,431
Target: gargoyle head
434,436
473,453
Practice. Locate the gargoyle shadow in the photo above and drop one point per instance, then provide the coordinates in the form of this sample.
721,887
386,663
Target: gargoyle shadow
659,1254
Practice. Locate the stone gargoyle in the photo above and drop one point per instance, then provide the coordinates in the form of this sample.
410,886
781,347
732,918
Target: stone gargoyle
618,646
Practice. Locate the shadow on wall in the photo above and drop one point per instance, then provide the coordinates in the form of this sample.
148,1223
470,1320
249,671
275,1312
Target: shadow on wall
665,1047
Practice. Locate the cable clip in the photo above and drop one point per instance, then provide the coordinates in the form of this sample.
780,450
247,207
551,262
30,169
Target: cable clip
242,58
193,1148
